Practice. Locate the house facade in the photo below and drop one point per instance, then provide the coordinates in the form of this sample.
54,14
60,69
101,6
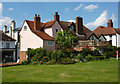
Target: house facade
35,34
8,48
13,32
111,34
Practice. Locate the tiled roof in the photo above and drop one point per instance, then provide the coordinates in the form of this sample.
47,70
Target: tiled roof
41,34
4,37
105,30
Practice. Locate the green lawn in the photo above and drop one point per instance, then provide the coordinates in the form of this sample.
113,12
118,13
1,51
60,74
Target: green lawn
95,71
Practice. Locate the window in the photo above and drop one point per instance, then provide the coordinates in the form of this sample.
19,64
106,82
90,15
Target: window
25,27
56,30
7,45
50,43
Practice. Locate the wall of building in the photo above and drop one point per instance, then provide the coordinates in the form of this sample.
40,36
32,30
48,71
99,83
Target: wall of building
49,31
11,43
114,40
28,39
118,41
54,27
102,38
93,38
107,38
49,48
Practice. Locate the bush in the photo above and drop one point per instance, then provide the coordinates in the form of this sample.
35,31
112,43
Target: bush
109,54
80,57
24,62
51,62
66,61
89,58
85,52
99,57
96,53
48,54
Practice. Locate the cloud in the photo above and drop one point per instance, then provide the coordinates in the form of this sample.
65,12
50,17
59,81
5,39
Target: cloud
10,9
78,7
113,17
101,20
5,21
91,7
71,20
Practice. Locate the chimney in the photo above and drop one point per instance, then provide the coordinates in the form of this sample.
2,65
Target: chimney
13,24
79,25
56,16
110,23
36,22
4,28
10,32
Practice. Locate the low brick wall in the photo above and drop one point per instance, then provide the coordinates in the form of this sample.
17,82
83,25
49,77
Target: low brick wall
22,55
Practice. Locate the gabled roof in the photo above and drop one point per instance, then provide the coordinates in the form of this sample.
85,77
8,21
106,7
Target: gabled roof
4,37
40,34
105,30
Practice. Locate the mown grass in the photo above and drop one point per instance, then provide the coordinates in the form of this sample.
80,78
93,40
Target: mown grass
94,71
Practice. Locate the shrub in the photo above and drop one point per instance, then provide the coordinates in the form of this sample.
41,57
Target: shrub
48,54
109,54
89,58
96,52
51,62
99,57
85,52
24,62
80,57
67,61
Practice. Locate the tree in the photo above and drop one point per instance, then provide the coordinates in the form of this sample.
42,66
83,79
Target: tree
65,40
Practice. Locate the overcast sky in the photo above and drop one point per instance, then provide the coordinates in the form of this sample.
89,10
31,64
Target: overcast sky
94,13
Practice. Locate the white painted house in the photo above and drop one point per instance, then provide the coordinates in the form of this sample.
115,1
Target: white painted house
8,48
111,34
13,32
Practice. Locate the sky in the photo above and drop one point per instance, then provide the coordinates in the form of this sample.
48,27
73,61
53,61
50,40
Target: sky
94,14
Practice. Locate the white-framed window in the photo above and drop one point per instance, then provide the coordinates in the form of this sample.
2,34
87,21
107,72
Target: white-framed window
50,43
56,30
25,27
7,45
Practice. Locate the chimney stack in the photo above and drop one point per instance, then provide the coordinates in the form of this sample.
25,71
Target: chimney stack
110,23
13,25
36,22
56,16
79,25
4,28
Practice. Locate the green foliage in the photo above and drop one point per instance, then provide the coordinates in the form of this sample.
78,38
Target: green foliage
80,57
89,58
99,57
66,61
110,51
51,62
85,52
96,53
65,39
48,54
24,62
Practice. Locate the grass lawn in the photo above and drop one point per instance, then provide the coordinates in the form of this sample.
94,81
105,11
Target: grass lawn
95,71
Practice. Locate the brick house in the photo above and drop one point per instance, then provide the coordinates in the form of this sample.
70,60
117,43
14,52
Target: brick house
35,34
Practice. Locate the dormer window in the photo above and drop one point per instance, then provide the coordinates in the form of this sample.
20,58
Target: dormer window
25,28
56,30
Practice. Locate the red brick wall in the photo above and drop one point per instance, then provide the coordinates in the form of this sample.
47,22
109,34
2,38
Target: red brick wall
22,55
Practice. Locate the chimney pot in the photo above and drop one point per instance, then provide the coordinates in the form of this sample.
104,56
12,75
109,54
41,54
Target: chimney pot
110,23
35,15
36,22
56,16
